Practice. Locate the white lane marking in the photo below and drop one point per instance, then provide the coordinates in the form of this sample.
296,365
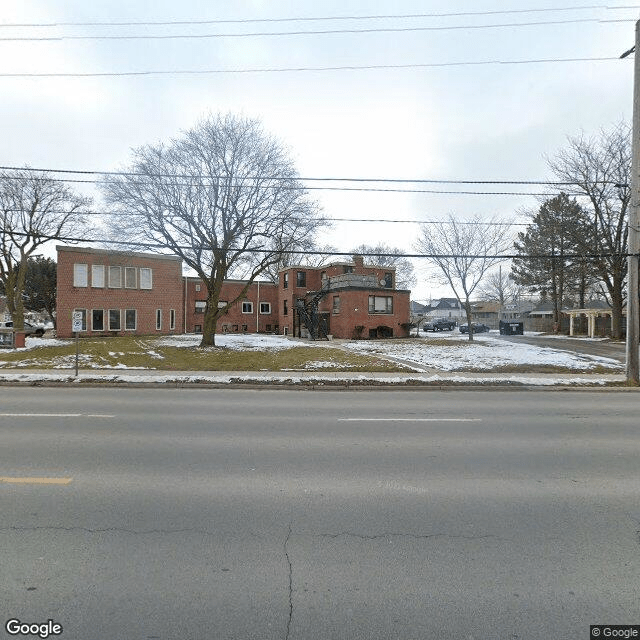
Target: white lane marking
409,419
55,415
35,480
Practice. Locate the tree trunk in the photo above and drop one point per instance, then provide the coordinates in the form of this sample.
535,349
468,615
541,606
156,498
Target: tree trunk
467,308
209,325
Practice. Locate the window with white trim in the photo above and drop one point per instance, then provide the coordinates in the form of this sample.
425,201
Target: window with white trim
97,320
265,308
114,320
172,319
130,320
130,278
97,276
201,306
247,307
80,275
158,319
146,278
380,304
115,277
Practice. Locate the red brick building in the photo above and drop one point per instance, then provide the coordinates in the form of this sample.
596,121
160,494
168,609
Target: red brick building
145,294
118,293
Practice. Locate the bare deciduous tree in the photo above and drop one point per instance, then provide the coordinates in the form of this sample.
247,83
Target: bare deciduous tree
600,169
382,256
34,209
500,286
464,252
224,197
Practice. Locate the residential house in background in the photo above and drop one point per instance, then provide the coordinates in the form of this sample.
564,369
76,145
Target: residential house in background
121,293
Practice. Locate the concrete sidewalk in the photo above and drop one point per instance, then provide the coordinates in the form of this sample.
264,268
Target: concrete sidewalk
308,379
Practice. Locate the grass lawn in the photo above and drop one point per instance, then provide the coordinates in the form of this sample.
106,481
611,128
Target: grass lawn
149,353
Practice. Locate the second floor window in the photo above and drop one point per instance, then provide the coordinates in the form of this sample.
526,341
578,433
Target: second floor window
301,278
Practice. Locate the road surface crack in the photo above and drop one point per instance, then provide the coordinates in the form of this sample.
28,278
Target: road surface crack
286,553
114,530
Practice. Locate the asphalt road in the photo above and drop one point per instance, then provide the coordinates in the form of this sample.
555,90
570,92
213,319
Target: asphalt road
193,514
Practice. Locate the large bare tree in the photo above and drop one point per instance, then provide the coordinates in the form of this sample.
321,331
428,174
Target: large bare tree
464,252
599,169
34,209
224,196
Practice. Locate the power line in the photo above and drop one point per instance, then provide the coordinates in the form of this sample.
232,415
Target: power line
319,32
370,67
305,179
315,18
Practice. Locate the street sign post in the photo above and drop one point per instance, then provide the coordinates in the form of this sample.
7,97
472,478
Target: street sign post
76,327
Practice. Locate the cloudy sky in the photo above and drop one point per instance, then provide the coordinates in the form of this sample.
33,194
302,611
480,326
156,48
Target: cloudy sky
459,93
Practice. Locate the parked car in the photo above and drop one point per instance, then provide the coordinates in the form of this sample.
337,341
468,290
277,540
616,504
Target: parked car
29,329
439,324
478,327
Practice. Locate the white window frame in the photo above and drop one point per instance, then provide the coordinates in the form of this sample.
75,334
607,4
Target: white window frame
377,305
135,277
80,275
172,319
265,308
92,327
247,306
158,319
144,272
97,276
119,328
112,283
135,320
200,306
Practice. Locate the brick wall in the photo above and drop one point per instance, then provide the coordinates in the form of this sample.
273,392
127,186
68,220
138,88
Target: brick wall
260,315
165,294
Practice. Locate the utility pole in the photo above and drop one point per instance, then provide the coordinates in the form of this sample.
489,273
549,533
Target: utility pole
633,302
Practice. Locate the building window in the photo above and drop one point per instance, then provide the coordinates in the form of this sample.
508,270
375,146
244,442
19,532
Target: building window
265,308
234,328
348,269
80,275
115,277
267,328
388,280
285,280
197,287
97,320
130,320
97,276
380,304
336,304
172,319
84,318
200,306
129,277
245,328
158,319
197,328
301,278
222,304
225,328
114,319
146,278
247,307
285,308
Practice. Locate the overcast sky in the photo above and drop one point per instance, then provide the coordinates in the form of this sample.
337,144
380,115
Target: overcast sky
456,122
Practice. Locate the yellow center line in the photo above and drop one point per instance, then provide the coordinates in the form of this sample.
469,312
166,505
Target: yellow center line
35,480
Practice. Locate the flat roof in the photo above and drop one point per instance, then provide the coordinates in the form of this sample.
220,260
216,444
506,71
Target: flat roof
111,252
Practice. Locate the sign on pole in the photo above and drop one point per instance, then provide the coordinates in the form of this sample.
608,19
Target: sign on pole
76,321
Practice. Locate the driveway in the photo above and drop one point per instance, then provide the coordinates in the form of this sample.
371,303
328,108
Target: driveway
603,348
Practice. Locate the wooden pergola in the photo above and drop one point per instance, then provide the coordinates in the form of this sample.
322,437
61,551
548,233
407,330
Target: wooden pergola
591,315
